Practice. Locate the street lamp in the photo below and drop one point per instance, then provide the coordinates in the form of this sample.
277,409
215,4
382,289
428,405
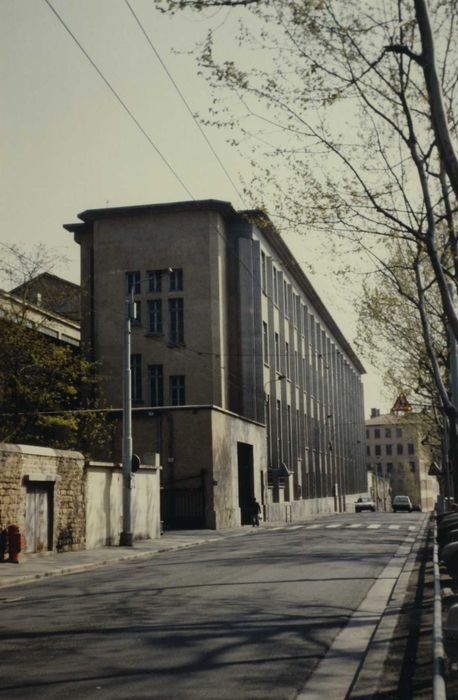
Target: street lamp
126,539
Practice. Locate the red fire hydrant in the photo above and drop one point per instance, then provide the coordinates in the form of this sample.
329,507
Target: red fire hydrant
15,542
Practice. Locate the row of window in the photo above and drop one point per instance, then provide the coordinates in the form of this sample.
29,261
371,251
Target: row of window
390,467
176,386
155,321
154,280
389,449
388,431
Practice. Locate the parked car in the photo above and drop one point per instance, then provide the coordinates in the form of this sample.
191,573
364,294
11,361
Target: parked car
402,503
365,503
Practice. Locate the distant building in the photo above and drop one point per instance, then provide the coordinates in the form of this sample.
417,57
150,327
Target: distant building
396,449
51,293
241,379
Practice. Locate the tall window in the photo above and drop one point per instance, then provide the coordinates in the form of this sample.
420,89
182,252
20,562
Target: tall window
378,450
176,322
290,436
412,466
133,282
279,440
263,271
377,432
399,449
155,316
136,376
398,432
156,385
389,450
410,449
387,432
277,352
287,365
177,390
285,299
176,280
265,342
389,467
154,280
275,285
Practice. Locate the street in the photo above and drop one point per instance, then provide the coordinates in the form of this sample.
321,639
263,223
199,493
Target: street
246,617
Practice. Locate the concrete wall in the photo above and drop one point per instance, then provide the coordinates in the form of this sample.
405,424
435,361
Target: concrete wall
295,511
104,504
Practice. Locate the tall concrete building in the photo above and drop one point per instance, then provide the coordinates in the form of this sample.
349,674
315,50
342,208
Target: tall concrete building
241,378
397,449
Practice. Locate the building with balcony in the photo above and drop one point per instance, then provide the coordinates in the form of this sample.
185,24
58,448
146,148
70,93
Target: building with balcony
241,379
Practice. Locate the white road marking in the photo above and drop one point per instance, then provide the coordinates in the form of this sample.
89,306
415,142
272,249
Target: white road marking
312,527
413,527
373,527
393,527
296,527
354,525
333,525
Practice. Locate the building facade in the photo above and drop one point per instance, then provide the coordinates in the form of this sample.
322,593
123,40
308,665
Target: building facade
241,379
396,449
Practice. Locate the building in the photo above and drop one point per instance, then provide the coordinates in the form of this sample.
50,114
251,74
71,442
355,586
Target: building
397,450
51,293
241,379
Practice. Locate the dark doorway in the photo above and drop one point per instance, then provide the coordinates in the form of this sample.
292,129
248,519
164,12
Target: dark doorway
183,507
246,481
39,517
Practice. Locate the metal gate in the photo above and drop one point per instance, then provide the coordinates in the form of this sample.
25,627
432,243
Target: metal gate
38,518
182,508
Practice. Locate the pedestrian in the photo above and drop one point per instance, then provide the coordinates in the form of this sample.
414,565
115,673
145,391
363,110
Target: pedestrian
255,513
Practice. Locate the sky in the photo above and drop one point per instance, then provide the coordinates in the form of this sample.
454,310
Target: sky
69,145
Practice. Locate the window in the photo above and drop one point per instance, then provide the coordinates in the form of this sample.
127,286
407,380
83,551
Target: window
177,390
275,285
156,385
155,316
377,433
133,282
389,450
154,280
296,367
379,469
367,433
287,367
398,432
290,436
399,449
277,352
136,376
387,432
295,305
285,299
368,450
378,450
278,421
264,272
176,280
410,449
389,467
265,342
412,466
176,324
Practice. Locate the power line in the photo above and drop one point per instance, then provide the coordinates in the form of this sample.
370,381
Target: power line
120,100
183,99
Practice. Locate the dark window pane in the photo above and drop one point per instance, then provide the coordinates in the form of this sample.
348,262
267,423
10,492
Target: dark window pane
155,316
176,321
156,385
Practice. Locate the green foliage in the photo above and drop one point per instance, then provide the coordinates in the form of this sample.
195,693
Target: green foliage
47,391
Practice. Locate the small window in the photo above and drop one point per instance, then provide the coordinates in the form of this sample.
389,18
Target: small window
377,432
156,384
410,449
177,390
399,449
176,321
176,280
136,376
263,272
155,281
367,433
412,466
399,432
387,432
133,282
155,316
379,469
389,467
265,342
378,450
368,450
389,450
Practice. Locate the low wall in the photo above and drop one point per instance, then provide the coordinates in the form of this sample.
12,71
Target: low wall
301,510
104,485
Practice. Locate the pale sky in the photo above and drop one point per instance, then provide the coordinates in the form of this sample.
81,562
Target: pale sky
68,145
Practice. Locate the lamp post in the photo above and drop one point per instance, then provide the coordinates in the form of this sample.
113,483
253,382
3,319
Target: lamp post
126,539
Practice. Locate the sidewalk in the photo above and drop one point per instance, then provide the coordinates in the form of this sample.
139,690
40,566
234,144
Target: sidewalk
36,566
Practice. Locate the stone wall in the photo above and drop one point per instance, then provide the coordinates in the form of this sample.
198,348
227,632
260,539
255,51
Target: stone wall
10,485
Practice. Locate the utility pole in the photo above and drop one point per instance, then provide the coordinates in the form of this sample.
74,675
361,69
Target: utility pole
126,539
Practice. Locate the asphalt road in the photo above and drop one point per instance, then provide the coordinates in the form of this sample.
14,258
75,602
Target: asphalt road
245,618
